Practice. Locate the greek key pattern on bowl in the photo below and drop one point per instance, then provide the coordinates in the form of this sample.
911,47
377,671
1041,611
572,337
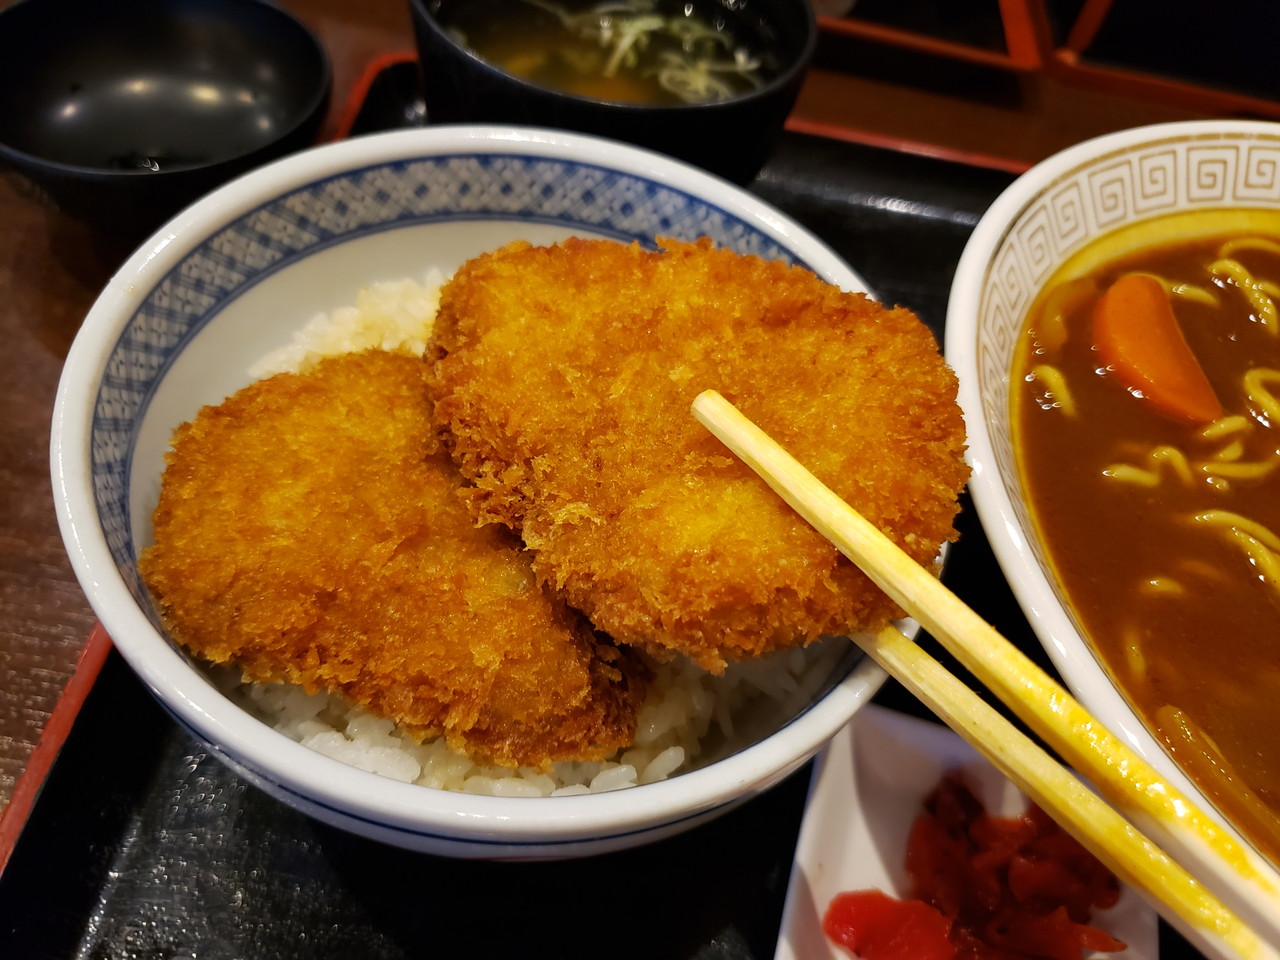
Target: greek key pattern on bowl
1103,194
356,203
1108,192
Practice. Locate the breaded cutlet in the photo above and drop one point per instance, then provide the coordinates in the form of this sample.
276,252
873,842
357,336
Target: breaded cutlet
562,381
309,531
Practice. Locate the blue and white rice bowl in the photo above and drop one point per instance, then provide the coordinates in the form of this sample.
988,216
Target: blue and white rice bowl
231,279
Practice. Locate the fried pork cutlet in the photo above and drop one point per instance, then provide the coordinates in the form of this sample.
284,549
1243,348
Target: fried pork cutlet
309,530
563,381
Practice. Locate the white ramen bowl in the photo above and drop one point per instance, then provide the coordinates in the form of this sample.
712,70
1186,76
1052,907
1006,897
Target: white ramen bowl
1045,216
230,279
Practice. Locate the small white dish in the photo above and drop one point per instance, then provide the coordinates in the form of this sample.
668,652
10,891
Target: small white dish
868,787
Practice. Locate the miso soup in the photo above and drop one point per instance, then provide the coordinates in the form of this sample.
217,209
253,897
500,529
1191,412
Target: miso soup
1162,524
651,52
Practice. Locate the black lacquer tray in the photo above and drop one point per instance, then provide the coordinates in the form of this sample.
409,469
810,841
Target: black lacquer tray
141,847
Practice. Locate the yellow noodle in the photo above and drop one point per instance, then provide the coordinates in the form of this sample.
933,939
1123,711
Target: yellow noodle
1186,291
1259,293
1195,294
1163,586
1248,243
1135,660
1055,388
1204,760
1259,395
1164,459
1201,569
1224,426
1232,520
1169,716
1241,469
1050,324
1235,521
1265,559
1176,461
1232,451
1235,271
1226,462
1127,473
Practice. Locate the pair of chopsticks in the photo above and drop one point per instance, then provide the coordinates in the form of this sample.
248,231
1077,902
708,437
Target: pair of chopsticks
1249,928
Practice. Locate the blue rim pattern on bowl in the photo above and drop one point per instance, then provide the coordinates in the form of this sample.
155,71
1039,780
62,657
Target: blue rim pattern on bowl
133,350
350,205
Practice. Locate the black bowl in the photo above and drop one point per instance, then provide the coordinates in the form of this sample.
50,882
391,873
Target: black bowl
732,137
123,112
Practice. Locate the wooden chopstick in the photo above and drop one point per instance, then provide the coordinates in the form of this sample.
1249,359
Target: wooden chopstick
1200,916
1228,869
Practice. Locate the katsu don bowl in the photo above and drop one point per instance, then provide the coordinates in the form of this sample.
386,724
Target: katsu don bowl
233,279
1150,613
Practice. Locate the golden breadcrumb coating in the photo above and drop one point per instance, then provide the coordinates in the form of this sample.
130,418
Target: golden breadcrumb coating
563,381
309,530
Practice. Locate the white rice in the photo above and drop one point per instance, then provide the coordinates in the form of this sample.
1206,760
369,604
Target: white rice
393,315
689,717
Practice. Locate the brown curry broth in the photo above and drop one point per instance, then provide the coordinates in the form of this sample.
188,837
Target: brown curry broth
1213,653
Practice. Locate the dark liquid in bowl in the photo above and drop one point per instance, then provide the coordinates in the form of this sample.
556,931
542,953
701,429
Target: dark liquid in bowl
653,53
1165,533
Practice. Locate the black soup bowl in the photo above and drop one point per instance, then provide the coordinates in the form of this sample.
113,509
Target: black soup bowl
490,61
123,112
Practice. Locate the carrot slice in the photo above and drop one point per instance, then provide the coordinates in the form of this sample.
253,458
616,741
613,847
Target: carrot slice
1139,339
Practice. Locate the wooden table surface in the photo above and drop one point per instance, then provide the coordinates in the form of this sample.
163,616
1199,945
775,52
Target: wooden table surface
52,268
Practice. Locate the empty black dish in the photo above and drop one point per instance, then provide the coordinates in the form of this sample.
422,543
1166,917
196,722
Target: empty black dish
124,112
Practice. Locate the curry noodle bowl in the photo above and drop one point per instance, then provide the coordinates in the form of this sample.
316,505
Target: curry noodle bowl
1183,541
